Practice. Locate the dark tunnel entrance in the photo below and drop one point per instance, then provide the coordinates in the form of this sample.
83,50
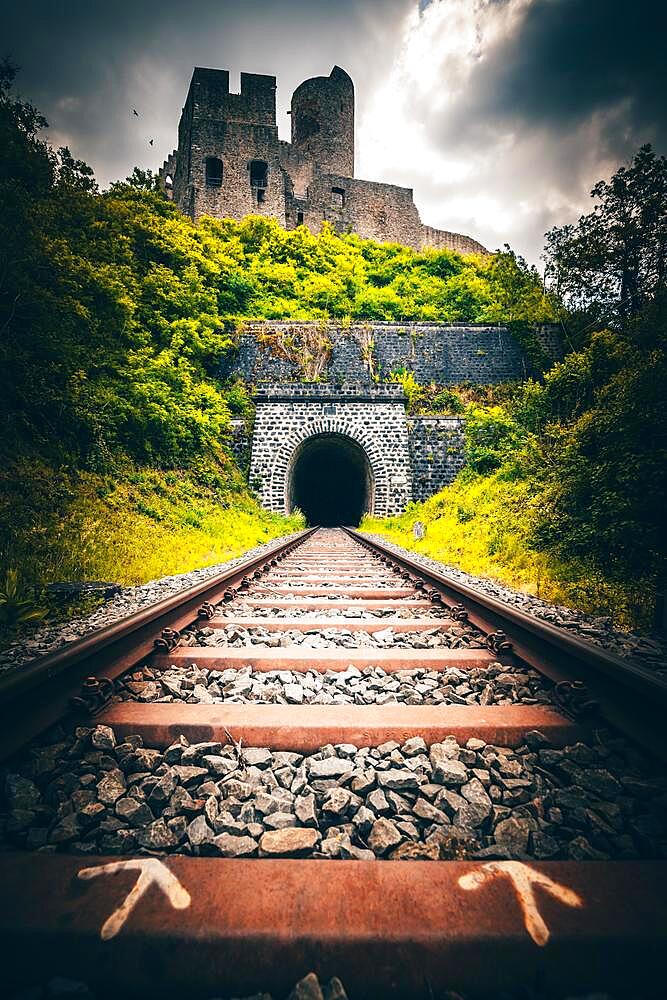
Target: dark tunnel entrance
330,480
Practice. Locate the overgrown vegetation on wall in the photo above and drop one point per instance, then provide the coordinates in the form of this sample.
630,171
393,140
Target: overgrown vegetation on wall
564,492
116,313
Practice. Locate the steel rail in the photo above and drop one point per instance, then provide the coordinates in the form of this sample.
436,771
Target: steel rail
631,697
51,681
391,928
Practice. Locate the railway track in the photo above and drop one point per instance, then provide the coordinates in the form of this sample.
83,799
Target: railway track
330,759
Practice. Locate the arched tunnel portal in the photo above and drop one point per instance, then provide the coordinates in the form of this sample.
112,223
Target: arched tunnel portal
330,480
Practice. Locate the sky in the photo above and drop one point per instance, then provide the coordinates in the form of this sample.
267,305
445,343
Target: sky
500,114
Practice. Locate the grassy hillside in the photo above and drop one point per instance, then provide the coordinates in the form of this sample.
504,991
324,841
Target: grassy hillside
485,525
117,314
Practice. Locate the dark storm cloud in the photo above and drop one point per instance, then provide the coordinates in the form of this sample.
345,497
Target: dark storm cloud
549,95
567,91
87,64
572,58
569,65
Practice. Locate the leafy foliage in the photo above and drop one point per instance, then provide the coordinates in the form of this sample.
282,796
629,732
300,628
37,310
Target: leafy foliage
613,262
566,479
427,399
604,482
17,603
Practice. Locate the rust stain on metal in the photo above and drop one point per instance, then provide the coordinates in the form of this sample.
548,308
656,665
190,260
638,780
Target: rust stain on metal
306,728
349,624
387,923
333,658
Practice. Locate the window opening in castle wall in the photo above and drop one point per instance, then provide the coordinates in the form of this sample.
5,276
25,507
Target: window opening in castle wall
338,197
213,171
259,171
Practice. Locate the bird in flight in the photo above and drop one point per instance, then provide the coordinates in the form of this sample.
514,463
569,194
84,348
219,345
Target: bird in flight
135,112
150,142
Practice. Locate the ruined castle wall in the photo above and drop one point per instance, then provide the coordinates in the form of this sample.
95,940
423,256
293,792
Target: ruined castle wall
309,180
236,129
299,167
372,210
441,353
441,239
237,145
254,105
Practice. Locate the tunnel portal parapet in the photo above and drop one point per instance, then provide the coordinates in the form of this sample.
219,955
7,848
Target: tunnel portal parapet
408,458
444,353
372,417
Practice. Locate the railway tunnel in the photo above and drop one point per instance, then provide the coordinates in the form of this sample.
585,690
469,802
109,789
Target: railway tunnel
330,480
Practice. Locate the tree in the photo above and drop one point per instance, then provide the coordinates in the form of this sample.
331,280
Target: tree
139,180
612,263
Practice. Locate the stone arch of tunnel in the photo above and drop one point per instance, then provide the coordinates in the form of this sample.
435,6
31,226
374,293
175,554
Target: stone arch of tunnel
330,479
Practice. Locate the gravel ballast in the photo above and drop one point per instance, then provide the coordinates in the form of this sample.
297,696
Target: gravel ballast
308,988
47,638
237,636
240,609
90,794
647,651
493,685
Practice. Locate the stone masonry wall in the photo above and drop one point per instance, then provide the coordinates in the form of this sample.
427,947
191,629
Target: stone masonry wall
236,129
442,239
436,453
322,118
372,416
365,208
435,352
240,444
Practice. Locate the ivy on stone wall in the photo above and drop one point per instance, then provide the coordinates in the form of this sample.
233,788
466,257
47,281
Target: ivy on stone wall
529,342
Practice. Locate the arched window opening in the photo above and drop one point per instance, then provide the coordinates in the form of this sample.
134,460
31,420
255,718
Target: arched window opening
259,173
213,172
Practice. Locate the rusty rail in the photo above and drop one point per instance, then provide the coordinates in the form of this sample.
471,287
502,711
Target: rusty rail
51,681
631,698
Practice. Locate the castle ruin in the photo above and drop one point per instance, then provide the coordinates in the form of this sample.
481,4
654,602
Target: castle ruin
231,163
342,445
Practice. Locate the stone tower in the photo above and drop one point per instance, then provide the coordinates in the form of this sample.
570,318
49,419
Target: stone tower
230,162
323,122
